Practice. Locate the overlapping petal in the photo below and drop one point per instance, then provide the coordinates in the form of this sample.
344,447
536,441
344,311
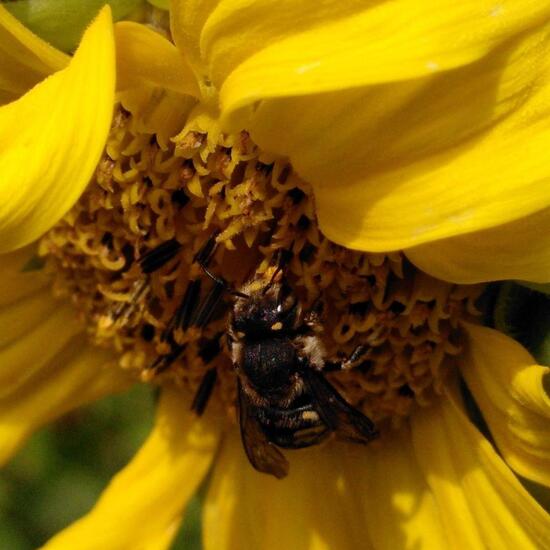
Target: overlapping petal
142,506
52,137
395,505
313,508
401,164
337,496
405,493
509,388
268,48
34,327
144,55
34,331
46,368
516,250
17,281
26,59
482,503
157,110
77,374
154,81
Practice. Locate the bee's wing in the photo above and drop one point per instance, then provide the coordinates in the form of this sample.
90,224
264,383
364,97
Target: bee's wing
336,412
262,454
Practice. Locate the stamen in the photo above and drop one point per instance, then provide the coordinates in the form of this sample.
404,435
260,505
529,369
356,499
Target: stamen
205,389
159,256
164,362
208,309
184,313
121,313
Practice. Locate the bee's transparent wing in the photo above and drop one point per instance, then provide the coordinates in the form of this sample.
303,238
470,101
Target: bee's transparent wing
262,454
336,412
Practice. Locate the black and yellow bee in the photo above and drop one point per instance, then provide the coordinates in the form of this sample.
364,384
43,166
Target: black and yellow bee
284,399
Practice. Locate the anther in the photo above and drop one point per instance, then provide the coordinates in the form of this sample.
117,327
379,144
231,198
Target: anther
159,256
184,313
211,348
205,389
121,313
163,362
204,255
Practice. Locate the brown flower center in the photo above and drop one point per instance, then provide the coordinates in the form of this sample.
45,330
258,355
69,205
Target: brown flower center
124,254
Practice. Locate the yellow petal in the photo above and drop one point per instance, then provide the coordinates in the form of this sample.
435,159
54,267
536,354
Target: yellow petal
336,496
51,138
78,374
397,165
143,504
313,508
34,331
17,283
144,55
186,22
482,503
26,59
264,49
516,250
394,503
157,110
34,327
509,388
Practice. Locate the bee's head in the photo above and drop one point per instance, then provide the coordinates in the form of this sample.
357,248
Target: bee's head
269,308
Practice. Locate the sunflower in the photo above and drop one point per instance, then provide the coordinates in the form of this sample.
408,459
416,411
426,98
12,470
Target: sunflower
397,150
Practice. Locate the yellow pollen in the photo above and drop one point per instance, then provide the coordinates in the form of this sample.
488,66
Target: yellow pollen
149,205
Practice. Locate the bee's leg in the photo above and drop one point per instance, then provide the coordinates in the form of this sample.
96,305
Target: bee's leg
354,360
358,354
312,317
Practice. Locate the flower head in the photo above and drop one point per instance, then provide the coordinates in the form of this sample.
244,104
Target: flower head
371,156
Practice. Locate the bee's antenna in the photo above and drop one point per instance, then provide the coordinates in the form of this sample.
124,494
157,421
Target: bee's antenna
284,256
203,257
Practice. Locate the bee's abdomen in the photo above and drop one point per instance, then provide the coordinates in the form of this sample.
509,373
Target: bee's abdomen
292,428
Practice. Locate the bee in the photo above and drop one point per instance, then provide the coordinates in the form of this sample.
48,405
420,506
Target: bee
284,398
